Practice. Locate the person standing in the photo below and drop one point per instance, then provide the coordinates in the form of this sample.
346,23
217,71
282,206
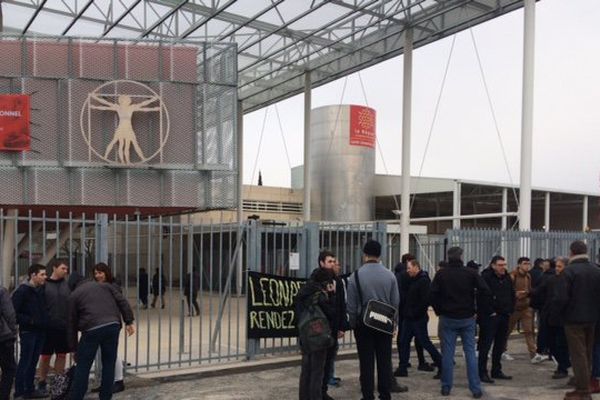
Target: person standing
143,288
553,318
316,291
494,320
191,286
376,283
96,309
57,292
453,293
523,312
159,287
8,335
339,322
538,299
103,274
402,278
30,307
416,318
579,301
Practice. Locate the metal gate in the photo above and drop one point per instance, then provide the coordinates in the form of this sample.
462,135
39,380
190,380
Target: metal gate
172,257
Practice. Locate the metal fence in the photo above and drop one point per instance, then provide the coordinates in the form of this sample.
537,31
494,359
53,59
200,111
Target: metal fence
169,255
482,244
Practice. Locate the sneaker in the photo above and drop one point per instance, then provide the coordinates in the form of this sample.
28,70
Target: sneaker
507,357
538,358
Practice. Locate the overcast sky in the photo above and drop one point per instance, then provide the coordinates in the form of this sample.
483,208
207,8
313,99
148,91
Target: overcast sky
464,143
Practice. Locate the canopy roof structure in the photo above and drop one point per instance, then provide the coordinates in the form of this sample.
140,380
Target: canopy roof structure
277,40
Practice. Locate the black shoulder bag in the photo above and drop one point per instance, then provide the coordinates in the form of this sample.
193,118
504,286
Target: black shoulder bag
377,315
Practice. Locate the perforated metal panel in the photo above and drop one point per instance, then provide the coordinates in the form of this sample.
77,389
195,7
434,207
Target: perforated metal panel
186,140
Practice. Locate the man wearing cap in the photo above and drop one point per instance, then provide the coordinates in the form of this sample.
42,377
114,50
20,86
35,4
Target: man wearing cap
453,292
376,283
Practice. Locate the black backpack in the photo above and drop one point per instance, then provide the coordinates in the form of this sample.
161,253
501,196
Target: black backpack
314,331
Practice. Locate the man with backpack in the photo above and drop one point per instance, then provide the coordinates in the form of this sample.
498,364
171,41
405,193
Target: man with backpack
373,285
315,312
8,335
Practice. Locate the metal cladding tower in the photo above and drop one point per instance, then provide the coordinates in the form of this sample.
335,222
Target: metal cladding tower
342,141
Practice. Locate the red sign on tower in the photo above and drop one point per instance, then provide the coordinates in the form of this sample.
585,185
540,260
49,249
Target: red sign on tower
362,126
14,122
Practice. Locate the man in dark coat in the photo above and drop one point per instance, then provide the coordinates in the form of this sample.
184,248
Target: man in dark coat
191,286
402,278
159,287
340,324
143,287
32,316
494,320
8,335
313,363
579,300
416,305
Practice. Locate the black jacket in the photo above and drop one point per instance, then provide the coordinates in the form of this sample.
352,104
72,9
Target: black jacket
94,304
304,298
416,298
339,320
540,291
8,319
579,297
454,290
30,306
57,294
159,280
195,284
551,313
503,292
535,273
143,284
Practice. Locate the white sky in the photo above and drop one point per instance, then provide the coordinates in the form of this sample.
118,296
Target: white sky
464,143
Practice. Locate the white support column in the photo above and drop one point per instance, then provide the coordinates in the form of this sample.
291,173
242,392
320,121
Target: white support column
527,116
456,205
307,162
585,212
240,190
504,208
406,125
547,213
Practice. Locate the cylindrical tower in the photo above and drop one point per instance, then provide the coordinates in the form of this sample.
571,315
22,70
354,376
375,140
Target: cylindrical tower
343,163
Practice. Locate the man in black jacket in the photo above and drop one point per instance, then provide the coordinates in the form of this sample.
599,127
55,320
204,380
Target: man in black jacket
494,320
416,304
340,323
96,309
402,278
579,300
32,317
8,335
453,292
313,363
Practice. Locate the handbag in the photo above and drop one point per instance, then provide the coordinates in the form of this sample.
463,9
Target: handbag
377,315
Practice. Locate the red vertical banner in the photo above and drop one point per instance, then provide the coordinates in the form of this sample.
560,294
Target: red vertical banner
362,126
14,122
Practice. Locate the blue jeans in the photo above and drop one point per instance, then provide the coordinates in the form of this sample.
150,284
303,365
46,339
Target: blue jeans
107,338
31,347
465,328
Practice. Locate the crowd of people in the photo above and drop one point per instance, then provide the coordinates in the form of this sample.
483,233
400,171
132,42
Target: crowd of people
555,303
54,313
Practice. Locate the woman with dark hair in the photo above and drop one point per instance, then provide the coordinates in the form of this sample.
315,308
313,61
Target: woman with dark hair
103,274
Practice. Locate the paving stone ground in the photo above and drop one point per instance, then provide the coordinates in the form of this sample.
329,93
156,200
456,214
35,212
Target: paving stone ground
529,382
